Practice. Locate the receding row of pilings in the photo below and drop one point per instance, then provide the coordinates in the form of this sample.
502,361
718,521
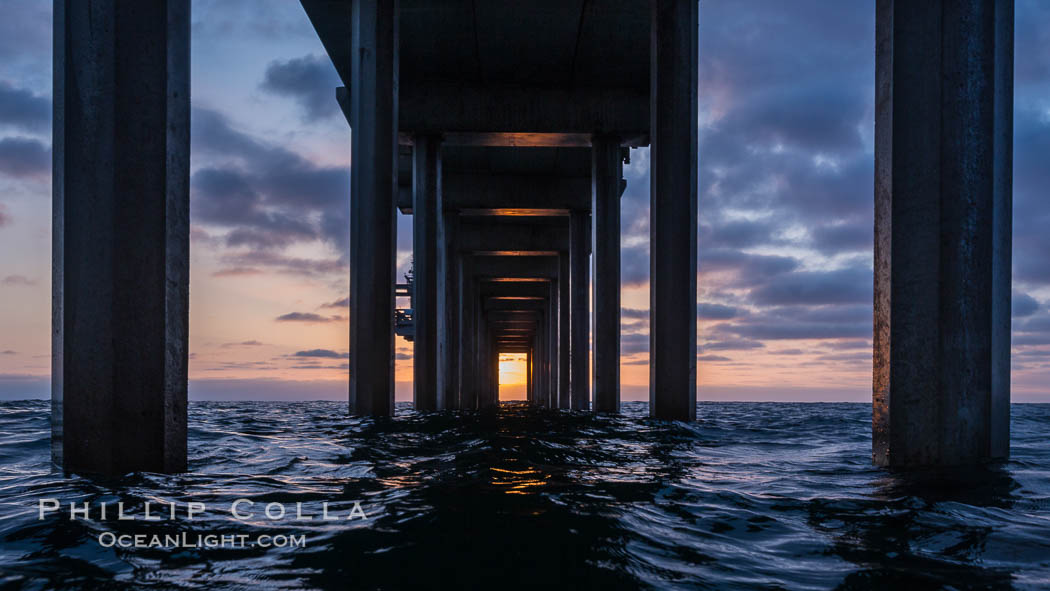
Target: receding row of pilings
121,227
457,340
508,278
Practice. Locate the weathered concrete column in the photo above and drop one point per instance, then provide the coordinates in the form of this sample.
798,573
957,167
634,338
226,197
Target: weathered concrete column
943,161
580,317
540,381
672,234
528,377
558,348
426,204
563,331
494,373
606,188
448,309
120,272
468,334
482,356
491,365
373,107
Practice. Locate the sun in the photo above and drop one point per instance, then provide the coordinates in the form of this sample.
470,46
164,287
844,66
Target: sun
512,374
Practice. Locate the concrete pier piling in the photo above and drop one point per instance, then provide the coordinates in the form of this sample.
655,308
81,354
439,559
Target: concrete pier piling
607,183
943,140
120,235
447,309
672,211
426,204
373,111
579,306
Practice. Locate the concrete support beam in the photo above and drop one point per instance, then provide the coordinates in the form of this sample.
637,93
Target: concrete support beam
524,139
672,243
120,273
468,113
580,318
527,235
425,246
515,269
607,183
943,161
488,192
373,107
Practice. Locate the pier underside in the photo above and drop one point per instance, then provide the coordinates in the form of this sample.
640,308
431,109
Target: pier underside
504,136
503,128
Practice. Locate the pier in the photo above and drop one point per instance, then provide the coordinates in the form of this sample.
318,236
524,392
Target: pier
503,129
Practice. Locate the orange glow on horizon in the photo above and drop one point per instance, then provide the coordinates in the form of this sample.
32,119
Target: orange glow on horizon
512,376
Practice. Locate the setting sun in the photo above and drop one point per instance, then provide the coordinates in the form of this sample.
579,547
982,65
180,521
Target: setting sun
512,376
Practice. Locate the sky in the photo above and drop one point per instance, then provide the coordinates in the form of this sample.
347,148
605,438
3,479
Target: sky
786,122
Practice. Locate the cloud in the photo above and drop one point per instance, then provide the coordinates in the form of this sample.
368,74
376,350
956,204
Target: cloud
1023,305
307,317
748,269
847,344
22,109
241,365
226,197
22,157
731,345
1031,177
786,171
320,366
309,80
5,218
634,264
801,322
718,311
20,280
266,197
252,343
843,237
789,329
322,353
249,263
843,286
25,34
256,23
712,358
1030,34
340,303
236,272
860,356
632,343
788,352
737,233
8,352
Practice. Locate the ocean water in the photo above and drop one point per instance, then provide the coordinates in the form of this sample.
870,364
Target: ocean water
751,496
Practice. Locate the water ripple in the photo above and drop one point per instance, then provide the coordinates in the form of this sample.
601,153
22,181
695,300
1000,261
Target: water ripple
767,496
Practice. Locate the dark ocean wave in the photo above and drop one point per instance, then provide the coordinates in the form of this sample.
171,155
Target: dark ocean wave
752,495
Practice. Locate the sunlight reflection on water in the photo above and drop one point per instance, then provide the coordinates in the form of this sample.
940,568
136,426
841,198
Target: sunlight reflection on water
751,495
